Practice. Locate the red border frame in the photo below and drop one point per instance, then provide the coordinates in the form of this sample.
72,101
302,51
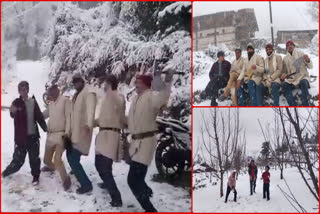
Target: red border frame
192,1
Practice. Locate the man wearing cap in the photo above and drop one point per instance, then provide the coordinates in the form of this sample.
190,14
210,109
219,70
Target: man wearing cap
58,112
219,76
82,122
271,77
251,75
236,68
26,114
295,74
108,146
143,111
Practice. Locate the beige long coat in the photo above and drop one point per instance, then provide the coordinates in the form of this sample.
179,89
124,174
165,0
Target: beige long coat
257,74
237,65
142,118
274,75
288,68
59,113
112,115
82,114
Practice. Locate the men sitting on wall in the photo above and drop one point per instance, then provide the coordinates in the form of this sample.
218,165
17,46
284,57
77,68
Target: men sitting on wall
273,71
251,77
219,76
295,74
236,68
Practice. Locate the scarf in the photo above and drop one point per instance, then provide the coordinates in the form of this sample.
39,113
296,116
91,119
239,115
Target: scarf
274,63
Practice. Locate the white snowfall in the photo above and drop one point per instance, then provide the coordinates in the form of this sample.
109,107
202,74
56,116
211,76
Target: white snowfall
18,195
203,62
208,199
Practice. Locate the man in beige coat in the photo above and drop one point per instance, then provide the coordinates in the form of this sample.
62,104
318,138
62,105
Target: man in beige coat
58,112
251,75
82,123
142,126
273,71
108,148
236,68
295,74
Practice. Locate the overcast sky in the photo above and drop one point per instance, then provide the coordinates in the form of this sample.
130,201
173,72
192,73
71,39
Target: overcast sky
286,15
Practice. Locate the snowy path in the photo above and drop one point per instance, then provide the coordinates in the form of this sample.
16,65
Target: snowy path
18,195
207,199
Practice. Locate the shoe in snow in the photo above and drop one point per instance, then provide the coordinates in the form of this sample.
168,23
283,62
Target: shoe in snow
47,169
116,203
222,98
83,190
67,184
102,185
35,181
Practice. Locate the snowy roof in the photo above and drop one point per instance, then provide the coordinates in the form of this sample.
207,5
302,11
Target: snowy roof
226,19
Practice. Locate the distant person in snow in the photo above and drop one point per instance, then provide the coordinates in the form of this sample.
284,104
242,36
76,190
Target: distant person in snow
273,71
250,78
82,123
219,76
295,74
231,185
266,183
143,111
58,112
253,172
26,114
236,68
108,145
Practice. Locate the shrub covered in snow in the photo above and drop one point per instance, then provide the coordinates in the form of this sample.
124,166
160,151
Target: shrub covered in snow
106,39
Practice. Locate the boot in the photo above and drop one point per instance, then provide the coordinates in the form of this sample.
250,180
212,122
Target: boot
116,203
102,185
5,173
67,184
35,181
83,190
222,98
47,169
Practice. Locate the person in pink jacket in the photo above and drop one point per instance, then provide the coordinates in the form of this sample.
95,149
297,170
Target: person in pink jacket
231,186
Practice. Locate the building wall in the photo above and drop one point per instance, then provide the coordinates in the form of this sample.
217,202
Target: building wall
302,39
224,35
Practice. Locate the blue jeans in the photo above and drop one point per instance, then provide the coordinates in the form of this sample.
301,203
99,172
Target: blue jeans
275,90
304,86
251,85
73,157
260,91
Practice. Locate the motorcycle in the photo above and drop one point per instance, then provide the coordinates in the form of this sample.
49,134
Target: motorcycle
173,152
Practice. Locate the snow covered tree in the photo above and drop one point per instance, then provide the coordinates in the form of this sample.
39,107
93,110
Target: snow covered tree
292,117
115,38
313,9
220,133
265,151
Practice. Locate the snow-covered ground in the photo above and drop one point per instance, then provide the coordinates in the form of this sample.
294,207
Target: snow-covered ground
202,63
207,199
18,195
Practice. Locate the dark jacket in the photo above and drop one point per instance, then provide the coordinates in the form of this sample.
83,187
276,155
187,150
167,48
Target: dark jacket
266,177
255,170
225,70
20,121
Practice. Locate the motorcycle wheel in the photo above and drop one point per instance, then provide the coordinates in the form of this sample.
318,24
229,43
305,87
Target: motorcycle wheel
167,159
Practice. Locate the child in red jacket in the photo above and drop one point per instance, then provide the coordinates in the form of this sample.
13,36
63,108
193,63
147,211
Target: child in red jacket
266,183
